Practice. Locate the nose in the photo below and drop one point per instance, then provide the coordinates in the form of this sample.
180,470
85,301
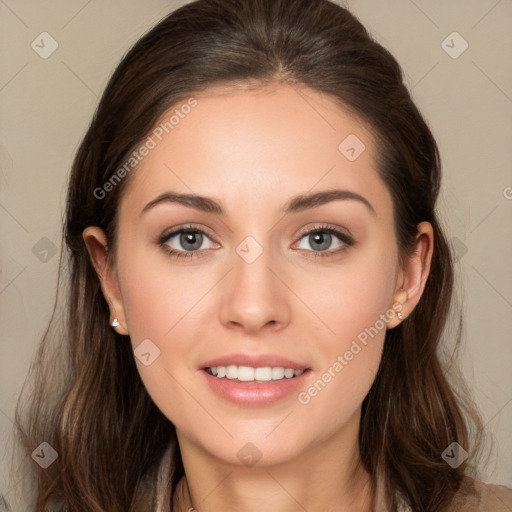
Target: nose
254,295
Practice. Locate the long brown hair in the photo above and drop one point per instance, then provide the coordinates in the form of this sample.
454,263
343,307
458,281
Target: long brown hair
87,400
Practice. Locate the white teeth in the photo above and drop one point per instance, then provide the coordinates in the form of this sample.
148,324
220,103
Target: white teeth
264,373
231,371
245,373
250,374
277,373
288,373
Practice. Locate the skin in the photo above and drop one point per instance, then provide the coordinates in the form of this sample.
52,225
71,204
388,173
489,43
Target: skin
253,150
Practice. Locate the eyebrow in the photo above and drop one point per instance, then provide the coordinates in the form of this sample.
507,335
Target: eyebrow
296,204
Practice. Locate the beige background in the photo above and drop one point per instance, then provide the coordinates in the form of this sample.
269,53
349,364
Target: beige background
46,105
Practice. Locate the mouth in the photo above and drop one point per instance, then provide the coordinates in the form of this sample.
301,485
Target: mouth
255,386
257,375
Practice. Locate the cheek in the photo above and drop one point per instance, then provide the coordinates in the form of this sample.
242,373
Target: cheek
158,294
355,304
350,297
161,304
164,302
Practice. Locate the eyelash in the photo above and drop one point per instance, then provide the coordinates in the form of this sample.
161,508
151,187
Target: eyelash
346,239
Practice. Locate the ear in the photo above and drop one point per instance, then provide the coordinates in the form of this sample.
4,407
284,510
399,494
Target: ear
413,275
97,246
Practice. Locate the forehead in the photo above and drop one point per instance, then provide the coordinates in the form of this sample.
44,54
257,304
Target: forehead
239,144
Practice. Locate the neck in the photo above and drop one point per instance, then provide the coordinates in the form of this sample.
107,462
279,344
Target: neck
328,476
358,499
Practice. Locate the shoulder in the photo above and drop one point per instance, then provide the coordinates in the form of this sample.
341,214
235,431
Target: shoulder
475,496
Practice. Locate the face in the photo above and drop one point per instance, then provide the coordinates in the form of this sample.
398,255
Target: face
261,278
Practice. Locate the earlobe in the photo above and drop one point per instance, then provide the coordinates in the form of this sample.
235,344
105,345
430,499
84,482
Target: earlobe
397,308
414,274
97,246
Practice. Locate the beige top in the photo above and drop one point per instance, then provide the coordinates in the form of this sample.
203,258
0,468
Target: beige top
488,498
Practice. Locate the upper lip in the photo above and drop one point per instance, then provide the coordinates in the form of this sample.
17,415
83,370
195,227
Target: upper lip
254,361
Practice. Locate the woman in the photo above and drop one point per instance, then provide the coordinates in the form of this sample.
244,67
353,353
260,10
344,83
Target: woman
212,357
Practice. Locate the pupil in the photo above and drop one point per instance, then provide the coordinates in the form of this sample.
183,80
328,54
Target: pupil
325,237
193,239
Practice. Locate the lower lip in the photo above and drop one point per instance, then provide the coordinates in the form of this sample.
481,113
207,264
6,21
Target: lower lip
255,394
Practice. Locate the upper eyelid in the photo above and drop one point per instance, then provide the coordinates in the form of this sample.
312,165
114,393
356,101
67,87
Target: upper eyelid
325,226
175,231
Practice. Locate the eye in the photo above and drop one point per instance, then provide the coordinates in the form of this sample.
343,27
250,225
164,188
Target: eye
321,238
184,242
189,241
